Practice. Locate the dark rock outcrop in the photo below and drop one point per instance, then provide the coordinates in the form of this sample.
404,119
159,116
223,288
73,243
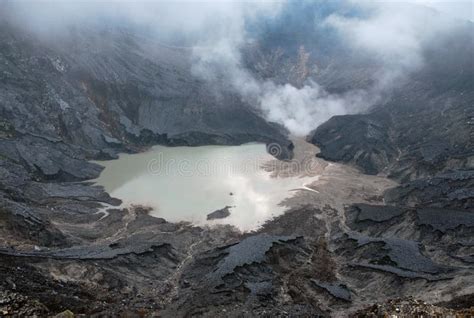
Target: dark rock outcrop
92,93
444,219
337,290
361,139
453,190
219,214
425,125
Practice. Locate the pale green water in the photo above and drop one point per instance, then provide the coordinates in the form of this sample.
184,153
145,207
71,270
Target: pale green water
187,183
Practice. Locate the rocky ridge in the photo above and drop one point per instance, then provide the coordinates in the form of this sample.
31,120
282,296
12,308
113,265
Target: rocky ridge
65,245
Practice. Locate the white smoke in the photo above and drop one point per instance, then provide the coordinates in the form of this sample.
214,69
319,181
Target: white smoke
392,33
303,109
299,109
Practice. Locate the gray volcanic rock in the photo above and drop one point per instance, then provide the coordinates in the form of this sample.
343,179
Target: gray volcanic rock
447,190
245,275
362,139
398,256
421,135
86,252
376,213
49,160
444,219
219,214
425,127
91,93
21,223
96,102
63,104
337,290
52,162
249,250
40,192
410,307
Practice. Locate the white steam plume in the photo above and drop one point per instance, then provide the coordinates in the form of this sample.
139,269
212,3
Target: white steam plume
391,32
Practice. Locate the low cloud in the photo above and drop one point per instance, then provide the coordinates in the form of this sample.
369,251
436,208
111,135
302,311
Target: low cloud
393,34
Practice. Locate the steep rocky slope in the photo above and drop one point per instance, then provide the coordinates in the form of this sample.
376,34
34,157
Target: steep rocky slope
347,241
106,89
67,100
421,135
424,127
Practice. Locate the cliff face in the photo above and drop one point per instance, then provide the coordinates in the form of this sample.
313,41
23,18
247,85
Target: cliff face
67,100
421,136
103,90
424,127
346,237
90,94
